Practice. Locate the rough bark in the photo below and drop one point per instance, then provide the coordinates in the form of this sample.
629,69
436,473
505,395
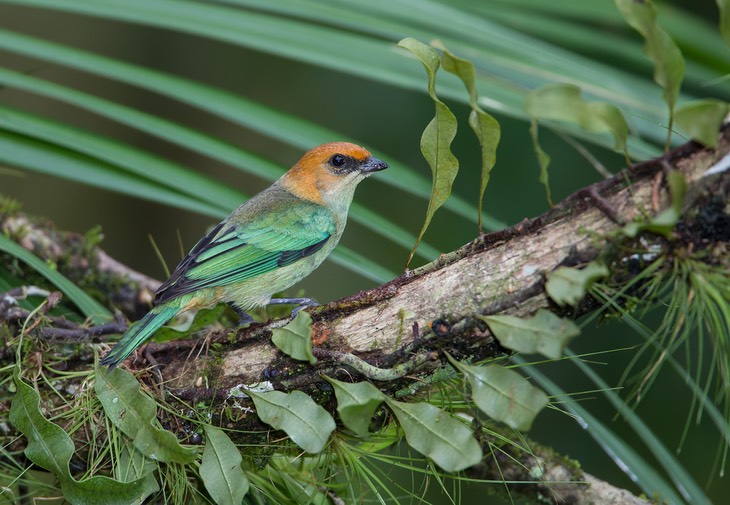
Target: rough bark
405,323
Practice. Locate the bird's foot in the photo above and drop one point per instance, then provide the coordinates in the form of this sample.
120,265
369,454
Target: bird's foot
244,317
301,303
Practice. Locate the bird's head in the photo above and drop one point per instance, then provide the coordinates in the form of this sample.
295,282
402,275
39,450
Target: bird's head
328,174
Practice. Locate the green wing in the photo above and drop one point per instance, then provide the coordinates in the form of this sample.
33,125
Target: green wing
241,248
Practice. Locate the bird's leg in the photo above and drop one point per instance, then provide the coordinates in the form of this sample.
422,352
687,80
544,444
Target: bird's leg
301,303
244,317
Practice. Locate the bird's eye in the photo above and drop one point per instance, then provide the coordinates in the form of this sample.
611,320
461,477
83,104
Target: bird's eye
338,160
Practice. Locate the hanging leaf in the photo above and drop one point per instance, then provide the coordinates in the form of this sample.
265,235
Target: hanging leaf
50,447
221,470
563,102
134,413
503,394
436,138
434,433
545,333
543,160
724,8
295,339
702,119
356,403
306,423
484,126
661,49
568,286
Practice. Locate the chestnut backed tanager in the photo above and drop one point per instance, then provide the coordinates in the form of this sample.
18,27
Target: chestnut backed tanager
266,245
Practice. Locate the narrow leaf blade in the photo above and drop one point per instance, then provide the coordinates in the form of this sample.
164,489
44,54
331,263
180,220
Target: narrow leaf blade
87,305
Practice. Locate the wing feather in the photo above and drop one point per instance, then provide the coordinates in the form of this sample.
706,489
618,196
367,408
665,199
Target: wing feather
232,253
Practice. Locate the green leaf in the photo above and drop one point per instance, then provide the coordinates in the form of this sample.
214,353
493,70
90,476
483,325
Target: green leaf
724,8
50,447
356,403
434,433
297,479
664,222
295,339
543,160
436,138
545,333
87,305
563,102
484,126
568,286
306,423
661,49
221,469
503,394
132,465
195,141
50,159
134,413
702,119
124,157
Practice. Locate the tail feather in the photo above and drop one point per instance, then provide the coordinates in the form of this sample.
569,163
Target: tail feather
138,333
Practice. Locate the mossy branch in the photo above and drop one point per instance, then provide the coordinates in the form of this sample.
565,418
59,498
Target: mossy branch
415,316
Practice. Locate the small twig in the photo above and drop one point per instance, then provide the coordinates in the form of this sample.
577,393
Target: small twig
603,205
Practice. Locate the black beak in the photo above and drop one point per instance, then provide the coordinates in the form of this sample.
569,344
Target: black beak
373,164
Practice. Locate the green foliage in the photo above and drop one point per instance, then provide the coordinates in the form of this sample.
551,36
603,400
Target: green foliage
295,339
356,403
51,448
503,394
667,58
543,160
724,8
568,286
88,306
563,102
221,470
702,119
133,413
436,139
483,124
434,433
307,424
544,333
664,222
516,46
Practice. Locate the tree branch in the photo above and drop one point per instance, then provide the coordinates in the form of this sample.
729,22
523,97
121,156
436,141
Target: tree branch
406,322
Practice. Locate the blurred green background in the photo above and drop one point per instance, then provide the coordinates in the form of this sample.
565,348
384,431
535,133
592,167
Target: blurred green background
388,119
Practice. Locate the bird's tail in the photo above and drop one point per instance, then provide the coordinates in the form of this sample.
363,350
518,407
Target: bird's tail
140,332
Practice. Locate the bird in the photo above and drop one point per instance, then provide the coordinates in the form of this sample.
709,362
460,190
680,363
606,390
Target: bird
269,243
